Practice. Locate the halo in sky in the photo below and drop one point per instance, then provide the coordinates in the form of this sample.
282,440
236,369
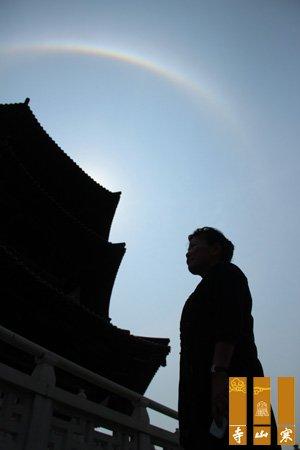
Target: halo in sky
211,98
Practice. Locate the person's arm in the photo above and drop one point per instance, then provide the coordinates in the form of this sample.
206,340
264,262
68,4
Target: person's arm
229,292
223,354
229,323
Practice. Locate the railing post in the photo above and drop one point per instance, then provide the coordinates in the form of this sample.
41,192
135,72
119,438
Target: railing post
41,412
140,413
177,434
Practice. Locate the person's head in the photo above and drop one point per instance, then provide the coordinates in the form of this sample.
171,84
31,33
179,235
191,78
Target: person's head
207,246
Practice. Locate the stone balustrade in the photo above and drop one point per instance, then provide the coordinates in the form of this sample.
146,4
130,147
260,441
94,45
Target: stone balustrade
35,414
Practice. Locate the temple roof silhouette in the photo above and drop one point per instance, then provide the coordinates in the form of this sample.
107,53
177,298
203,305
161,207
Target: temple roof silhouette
57,265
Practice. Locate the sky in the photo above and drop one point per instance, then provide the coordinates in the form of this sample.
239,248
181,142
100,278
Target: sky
190,109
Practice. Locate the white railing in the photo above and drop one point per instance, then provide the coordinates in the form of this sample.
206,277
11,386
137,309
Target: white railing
35,414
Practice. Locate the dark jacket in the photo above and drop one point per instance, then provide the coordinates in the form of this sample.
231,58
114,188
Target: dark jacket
219,309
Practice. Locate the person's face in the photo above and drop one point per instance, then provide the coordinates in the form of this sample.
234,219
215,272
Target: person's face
201,255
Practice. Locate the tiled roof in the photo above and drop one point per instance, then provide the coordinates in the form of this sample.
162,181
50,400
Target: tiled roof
39,227
77,332
59,175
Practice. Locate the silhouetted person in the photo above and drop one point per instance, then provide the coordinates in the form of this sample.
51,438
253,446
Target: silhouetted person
217,341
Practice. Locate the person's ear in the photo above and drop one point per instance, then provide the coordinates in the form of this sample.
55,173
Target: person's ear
216,249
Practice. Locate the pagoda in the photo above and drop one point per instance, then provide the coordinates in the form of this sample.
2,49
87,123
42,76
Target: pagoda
58,266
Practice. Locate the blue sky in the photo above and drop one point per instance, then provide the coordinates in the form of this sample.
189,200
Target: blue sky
191,110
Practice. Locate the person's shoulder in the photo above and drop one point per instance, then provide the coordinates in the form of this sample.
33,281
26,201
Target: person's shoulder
230,269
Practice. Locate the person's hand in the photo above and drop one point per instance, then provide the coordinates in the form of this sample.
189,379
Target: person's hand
219,396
